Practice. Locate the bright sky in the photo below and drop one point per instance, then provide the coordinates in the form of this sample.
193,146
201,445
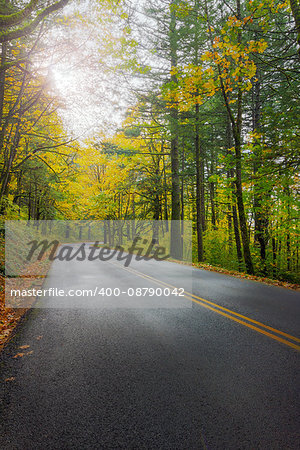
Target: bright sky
81,68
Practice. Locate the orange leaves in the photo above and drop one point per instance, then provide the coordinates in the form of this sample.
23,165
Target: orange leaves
283,5
228,63
262,11
261,46
9,318
20,355
207,56
256,46
194,84
232,55
233,21
216,42
210,87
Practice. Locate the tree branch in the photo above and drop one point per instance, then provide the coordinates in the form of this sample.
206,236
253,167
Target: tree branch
27,29
18,17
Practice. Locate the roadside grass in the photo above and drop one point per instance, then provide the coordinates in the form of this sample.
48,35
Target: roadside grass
236,274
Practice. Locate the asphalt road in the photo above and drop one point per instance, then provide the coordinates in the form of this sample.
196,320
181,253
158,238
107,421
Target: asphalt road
217,369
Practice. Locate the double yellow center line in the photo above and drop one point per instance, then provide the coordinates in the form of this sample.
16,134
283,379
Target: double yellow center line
273,333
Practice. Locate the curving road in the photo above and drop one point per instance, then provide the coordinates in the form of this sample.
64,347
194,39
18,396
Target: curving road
216,369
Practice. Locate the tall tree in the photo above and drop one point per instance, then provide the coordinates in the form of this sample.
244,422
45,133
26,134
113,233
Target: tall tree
176,248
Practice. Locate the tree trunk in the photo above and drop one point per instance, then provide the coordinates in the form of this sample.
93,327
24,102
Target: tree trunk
175,248
295,7
260,219
182,193
237,129
231,174
240,203
212,204
200,205
166,215
157,208
2,81
274,257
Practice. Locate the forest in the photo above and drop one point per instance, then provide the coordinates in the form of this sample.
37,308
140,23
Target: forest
199,103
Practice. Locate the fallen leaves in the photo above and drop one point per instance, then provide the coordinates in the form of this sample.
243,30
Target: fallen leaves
10,379
23,347
236,274
20,355
9,318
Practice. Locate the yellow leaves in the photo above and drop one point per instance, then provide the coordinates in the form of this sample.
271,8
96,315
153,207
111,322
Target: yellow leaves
229,88
262,45
194,83
216,42
104,170
283,5
251,46
181,9
263,11
255,136
232,57
233,21
210,71
235,74
248,85
207,56
257,46
251,70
